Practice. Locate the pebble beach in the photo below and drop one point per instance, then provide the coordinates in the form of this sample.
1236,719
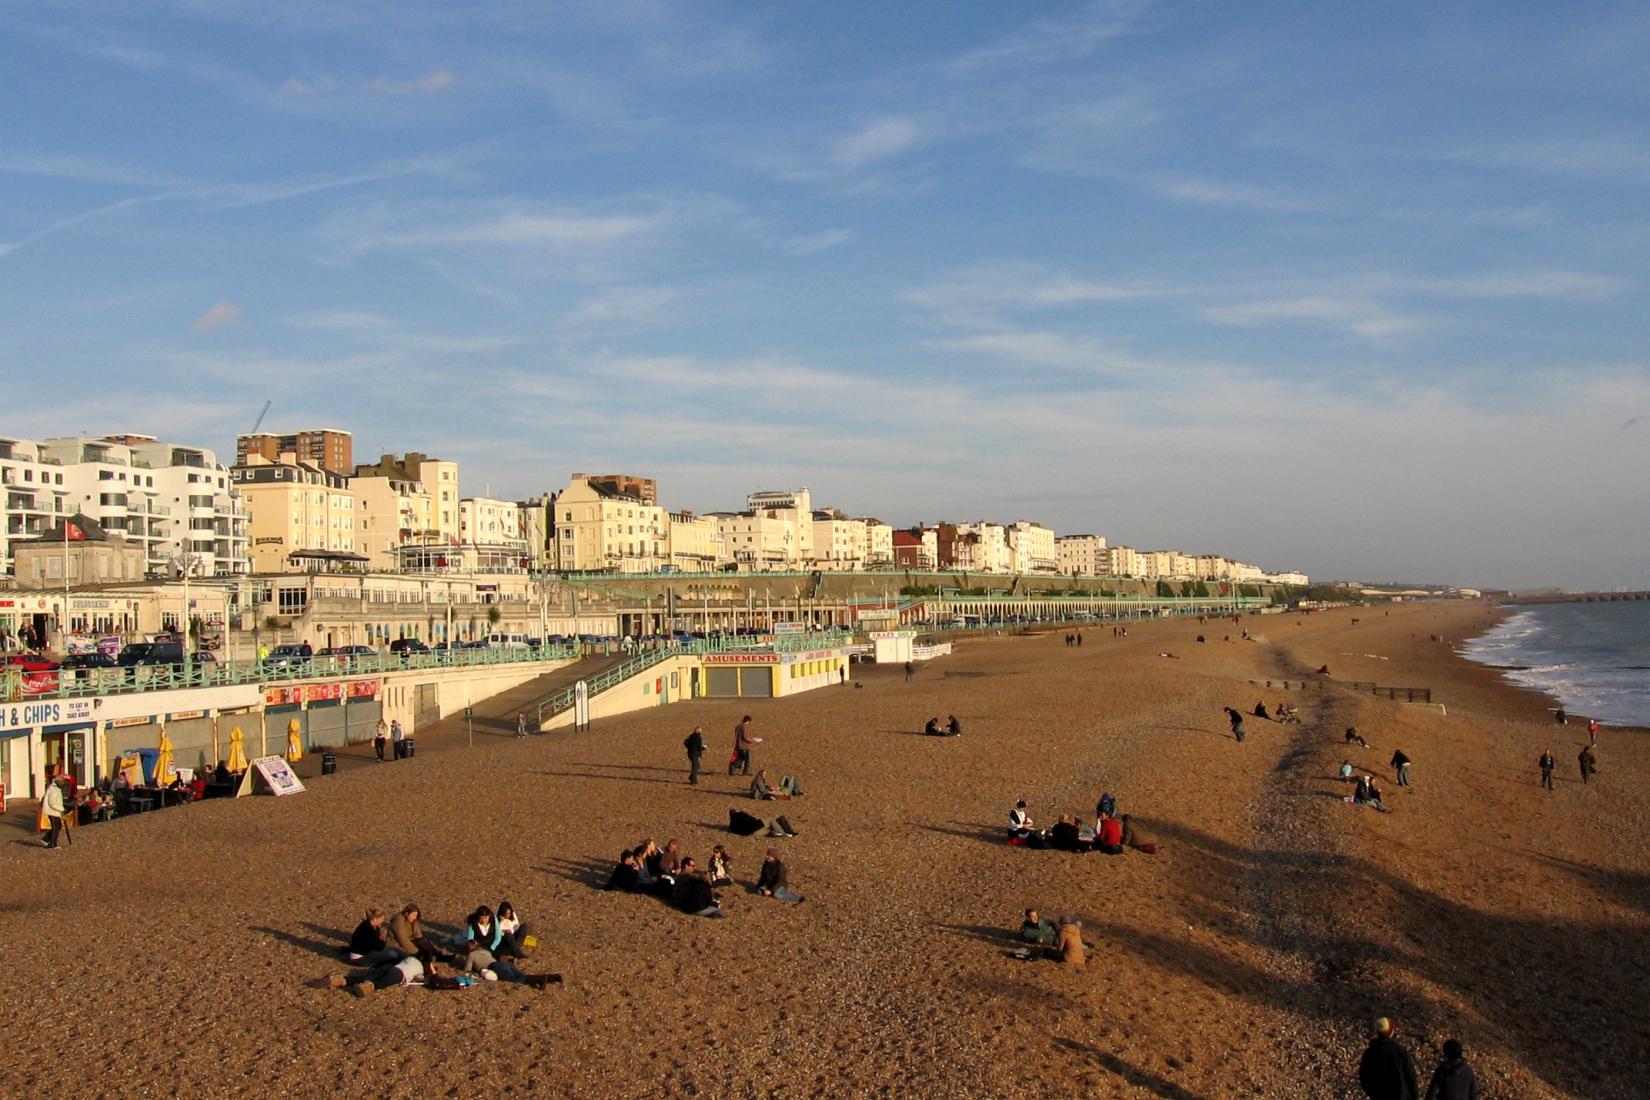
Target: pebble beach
178,953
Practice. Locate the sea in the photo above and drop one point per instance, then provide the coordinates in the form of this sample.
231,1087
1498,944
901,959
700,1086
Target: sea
1594,657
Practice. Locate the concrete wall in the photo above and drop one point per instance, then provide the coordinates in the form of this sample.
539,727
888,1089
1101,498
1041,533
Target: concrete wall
639,692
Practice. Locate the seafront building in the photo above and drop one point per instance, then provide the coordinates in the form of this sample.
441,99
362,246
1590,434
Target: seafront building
328,448
298,515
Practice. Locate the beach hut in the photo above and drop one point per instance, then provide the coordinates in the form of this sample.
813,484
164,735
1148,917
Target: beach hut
164,766
237,751
294,742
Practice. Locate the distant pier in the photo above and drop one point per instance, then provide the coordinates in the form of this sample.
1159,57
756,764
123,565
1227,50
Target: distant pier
1579,597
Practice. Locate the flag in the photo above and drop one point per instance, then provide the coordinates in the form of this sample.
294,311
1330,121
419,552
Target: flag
72,532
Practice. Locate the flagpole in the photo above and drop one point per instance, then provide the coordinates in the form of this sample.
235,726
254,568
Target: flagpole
65,639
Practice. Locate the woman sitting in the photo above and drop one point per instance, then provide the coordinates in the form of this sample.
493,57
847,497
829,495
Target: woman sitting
761,789
512,929
1108,836
367,947
626,874
721,867
481,930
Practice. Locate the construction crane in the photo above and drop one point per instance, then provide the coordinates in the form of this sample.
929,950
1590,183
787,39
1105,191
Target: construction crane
265,412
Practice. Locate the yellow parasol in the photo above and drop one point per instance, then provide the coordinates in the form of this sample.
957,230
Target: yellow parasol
216,756
164,768
237,751
294,745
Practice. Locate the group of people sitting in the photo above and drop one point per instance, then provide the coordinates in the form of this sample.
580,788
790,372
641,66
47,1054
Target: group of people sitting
668,874
389,952
1111,833
952,727
1365,791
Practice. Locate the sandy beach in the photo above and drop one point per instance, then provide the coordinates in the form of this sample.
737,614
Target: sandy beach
177,952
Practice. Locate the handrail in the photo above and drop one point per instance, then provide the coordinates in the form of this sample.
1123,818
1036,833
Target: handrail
563,700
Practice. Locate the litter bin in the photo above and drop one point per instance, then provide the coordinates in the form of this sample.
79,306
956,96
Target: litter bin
329,763
410,745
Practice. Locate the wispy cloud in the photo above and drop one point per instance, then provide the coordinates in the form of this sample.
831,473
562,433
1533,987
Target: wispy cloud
876,140
1358,316
437,80
1232,195
1050,41
807,244
221,315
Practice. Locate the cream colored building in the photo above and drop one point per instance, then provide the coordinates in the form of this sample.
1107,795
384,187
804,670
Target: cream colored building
839,543
436,477
1081,555
1120,561
1033,546
696,543
879,544
792,506
492,531
988,549
392,513
293,506
599,529
762,541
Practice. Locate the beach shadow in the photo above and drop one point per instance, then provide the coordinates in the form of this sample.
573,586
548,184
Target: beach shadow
327,949
613,778
1195,729
591,871
999,937
627,767
337,934
991,834
1134,1075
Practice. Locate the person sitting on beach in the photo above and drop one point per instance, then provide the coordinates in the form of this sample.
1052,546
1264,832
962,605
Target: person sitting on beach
1323,670
1019,821
760,790
932,729
1068,944
407,936
626,873
1367,793
481,929
1108,835
789,787
648,855
1283,712
1346,770
512,929
745,824
721,867
1066,835
953,728
1169,655
1136,837
693,893
1353,737
1037,929
222,774
773,881
485,964
1106,805
1260,711
407,971
670,858
367,947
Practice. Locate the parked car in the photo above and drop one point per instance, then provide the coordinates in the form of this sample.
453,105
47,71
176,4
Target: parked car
289,656
89,660
407,647
30,662
151,653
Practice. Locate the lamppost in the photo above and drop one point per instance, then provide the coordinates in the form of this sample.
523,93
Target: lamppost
185,561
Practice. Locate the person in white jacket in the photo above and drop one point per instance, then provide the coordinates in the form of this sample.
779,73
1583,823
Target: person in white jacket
52,806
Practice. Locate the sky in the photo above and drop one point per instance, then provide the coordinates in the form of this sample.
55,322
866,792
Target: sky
1353,289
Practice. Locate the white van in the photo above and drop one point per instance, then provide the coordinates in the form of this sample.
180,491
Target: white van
507,641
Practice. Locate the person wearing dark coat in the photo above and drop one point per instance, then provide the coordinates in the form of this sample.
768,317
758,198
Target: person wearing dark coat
1453,1079
695,746
1387,1072
1065,836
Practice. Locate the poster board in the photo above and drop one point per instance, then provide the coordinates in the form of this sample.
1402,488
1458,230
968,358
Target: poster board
270,775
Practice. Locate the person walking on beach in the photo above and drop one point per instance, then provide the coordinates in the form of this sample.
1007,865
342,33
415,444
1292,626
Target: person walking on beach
397,737
742,742
1592,731
1236,718
909,669
380,739
1400,764
1453,1079
1588,762
695,746
1548,763
1387,1072
51,808
1560,717
521,723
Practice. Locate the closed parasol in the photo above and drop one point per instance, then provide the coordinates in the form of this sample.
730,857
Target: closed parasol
237,751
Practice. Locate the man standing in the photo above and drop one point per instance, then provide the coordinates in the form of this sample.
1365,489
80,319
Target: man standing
909,669
695,746
1400,764
1387,1072
1548,763
521,723
397,737
381,739
1589,762
742,742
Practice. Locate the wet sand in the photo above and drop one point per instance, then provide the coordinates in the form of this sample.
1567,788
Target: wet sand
175,951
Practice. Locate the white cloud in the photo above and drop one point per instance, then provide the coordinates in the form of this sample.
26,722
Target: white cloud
221,315
1359,316
436,81
1240,196
877,140
1049,41
808,243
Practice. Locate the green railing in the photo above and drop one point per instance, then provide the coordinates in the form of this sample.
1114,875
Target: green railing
563,700
208,674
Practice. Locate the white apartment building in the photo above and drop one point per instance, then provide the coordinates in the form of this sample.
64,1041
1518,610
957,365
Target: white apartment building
1081,555
176,502
1291,576
1033,547
493,532
983,547
601,529
879,544
1120,561
839,543
793,506
33,496
763,541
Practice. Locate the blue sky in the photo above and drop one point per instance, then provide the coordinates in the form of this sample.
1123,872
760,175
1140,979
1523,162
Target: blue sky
1358,289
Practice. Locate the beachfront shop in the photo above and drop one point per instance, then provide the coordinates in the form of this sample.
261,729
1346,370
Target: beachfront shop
36,733
764,675
815,668
321,716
